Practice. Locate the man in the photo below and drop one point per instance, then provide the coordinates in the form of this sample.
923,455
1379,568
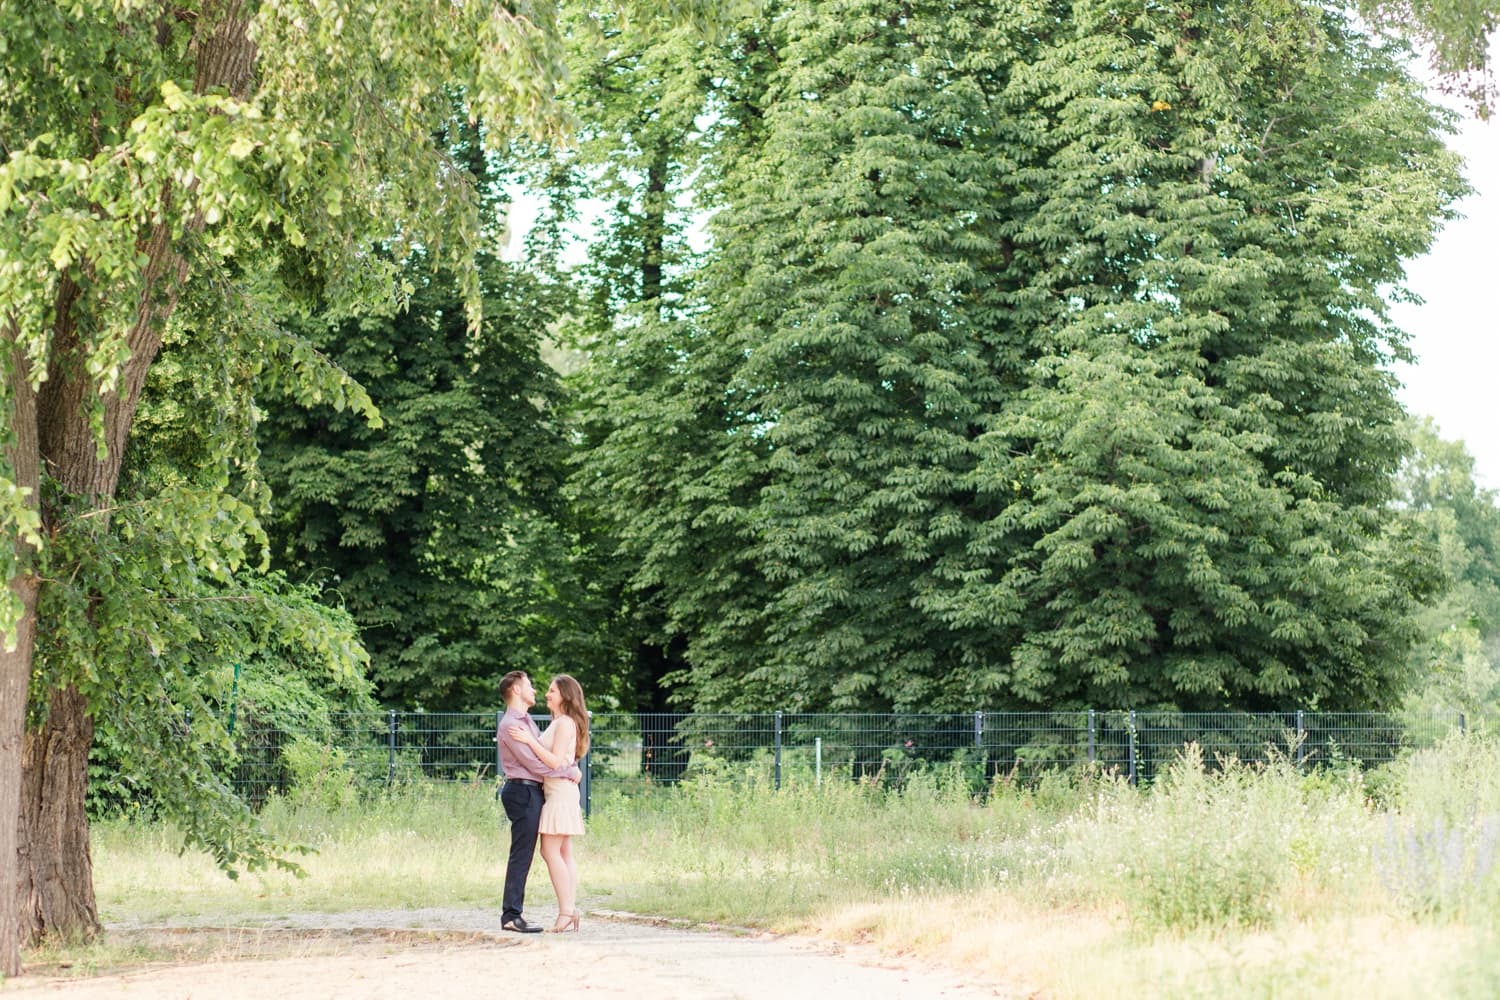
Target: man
521,795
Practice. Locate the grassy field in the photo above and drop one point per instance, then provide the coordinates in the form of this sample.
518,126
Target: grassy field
1220,880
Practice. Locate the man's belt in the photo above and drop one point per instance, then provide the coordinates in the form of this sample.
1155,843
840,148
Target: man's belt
523,781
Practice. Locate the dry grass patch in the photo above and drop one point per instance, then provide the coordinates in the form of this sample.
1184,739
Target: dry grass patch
990,934
1079,952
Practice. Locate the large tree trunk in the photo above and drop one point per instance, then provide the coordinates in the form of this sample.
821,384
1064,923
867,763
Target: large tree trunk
55,875
23,464
57,872
15,671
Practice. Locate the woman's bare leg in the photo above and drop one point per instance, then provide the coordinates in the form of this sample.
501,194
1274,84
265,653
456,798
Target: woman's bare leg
553,845
572,863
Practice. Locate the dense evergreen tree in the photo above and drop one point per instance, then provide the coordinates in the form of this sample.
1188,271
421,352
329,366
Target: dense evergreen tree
1199,467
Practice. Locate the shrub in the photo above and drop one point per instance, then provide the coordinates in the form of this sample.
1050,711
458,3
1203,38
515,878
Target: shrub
320,774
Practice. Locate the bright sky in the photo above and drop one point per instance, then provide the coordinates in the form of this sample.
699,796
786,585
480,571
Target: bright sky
1456,332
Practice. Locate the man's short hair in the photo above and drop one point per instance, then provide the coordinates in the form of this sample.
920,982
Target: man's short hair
509,681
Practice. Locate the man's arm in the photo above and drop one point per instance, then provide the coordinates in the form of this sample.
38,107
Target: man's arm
533,765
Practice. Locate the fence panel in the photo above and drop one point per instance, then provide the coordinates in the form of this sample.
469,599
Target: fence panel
449,746
1026,745
634,752
1243,736
1370,738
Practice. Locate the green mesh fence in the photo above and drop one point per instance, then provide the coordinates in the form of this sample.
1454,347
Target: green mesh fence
634,752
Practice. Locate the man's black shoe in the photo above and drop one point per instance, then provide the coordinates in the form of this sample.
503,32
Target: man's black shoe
520,926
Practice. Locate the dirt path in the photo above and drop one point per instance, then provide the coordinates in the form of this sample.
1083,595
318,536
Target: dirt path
419,954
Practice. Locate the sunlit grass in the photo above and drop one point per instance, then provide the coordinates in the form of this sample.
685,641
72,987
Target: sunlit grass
424,846
1221,880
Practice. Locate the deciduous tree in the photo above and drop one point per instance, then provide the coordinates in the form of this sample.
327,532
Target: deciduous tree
273,151
1041,360
1456,663
443,531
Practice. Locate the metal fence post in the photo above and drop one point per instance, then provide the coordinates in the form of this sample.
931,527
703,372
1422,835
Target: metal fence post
390,767
1131,723
1301,739
1093,738
234,699
1462,724
587,786
778,749
979,741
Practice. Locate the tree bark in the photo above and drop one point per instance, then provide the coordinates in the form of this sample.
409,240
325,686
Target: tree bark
57,871
654,228
23,463
54,869
15,671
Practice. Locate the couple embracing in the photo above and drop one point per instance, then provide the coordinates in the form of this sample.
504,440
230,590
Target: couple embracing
540,794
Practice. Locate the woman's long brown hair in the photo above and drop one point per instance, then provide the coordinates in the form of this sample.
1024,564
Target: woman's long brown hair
571,693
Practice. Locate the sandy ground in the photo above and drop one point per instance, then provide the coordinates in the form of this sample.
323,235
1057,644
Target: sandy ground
463,953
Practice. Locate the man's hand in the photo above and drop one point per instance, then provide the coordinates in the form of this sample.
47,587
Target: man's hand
575,775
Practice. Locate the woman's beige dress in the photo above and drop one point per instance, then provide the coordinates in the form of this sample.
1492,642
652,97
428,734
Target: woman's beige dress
561,809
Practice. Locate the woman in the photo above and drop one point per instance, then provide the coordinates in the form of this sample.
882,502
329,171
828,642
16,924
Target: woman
565,742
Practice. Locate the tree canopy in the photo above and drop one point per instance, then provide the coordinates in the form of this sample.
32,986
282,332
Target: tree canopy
1040,360
1456,665
236,161
444,531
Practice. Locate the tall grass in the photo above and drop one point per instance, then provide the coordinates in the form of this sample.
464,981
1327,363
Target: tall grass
423,845
1233,846
728,847
1441,836
1221,878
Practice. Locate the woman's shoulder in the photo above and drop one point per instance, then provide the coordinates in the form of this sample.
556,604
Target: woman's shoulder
564,723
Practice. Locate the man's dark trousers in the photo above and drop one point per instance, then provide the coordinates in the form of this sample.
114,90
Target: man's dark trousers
523,807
